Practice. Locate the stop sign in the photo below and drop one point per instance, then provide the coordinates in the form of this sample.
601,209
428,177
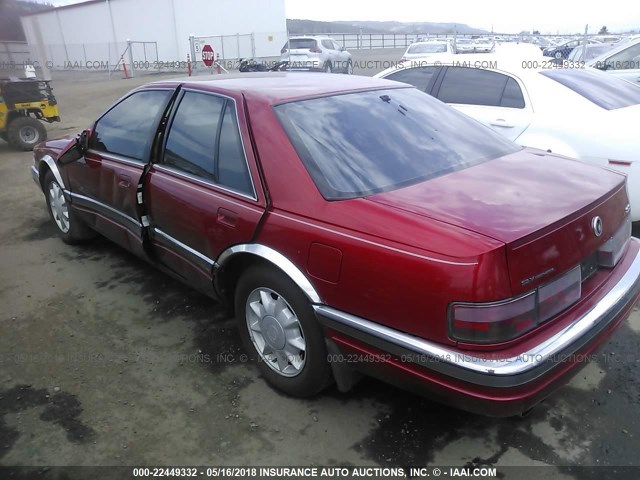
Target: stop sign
207,55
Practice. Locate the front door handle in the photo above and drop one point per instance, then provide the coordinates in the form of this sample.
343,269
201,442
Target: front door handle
124,181
227,217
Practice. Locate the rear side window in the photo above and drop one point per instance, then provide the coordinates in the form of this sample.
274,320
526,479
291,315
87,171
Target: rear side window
472,86
512,95
358,144
302,43
204,141
127,129
600,88
328,44
232,165
191,141
419,77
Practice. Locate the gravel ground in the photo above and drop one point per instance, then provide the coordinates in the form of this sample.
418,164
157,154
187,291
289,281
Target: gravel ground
106,361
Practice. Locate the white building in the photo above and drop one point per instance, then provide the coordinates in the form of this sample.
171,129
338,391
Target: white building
92,33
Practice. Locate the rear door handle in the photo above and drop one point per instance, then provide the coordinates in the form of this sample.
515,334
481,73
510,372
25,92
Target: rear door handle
227,217
124,181
501,122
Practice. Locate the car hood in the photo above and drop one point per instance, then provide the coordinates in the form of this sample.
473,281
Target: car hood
507,198
56,146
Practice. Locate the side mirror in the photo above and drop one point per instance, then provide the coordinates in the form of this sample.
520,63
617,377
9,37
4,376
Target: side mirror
76,150
343,49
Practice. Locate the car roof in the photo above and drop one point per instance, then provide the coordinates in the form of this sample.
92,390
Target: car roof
280,87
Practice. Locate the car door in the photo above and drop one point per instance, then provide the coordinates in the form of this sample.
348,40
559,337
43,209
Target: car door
199,194
327,47
103,184
492,98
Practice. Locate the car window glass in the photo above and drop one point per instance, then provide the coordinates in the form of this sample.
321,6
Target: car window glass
192,137
232,163
626,59
512,96
472,86
127,129
302,43
335,45
419,77
327,44
358,144
605,90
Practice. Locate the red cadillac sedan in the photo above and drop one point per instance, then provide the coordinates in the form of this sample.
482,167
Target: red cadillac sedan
357,225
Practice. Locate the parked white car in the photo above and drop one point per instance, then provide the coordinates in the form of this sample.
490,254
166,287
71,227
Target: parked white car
308,53
483,45
428,49
464,45
622,61
581,113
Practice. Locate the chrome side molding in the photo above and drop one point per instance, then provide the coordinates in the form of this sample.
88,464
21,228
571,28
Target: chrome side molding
610,305
53,166
276,258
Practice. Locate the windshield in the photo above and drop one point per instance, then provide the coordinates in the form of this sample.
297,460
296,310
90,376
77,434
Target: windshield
363,143
428,48
603,89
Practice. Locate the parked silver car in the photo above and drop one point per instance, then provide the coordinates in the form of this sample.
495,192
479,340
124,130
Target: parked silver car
316,53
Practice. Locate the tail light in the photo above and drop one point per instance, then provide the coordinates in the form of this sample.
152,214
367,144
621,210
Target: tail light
498,322
315,50
403,59
284,50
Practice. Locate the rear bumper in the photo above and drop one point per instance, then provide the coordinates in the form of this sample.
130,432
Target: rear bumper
493,385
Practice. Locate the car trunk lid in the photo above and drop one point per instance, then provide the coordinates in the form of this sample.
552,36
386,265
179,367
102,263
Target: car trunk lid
541,206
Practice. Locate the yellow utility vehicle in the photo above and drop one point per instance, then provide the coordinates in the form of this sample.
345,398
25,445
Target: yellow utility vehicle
24,105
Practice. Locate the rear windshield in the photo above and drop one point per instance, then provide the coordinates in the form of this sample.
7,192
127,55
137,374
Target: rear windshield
428,48
603,89
362,143
302,43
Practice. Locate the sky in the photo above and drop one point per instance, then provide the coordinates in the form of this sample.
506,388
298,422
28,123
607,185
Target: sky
547,16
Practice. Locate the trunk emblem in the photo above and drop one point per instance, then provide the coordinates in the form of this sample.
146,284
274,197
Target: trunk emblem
596,224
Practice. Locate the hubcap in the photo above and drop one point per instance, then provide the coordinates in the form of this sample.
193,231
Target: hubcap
29,134
58,205
276,332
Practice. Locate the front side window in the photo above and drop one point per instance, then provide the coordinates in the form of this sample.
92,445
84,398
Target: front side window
128,128
625,60
472,86
204,141
358,144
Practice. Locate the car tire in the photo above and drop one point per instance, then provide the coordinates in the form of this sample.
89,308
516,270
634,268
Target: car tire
279,330
349,69
72,229
24,133
327,67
